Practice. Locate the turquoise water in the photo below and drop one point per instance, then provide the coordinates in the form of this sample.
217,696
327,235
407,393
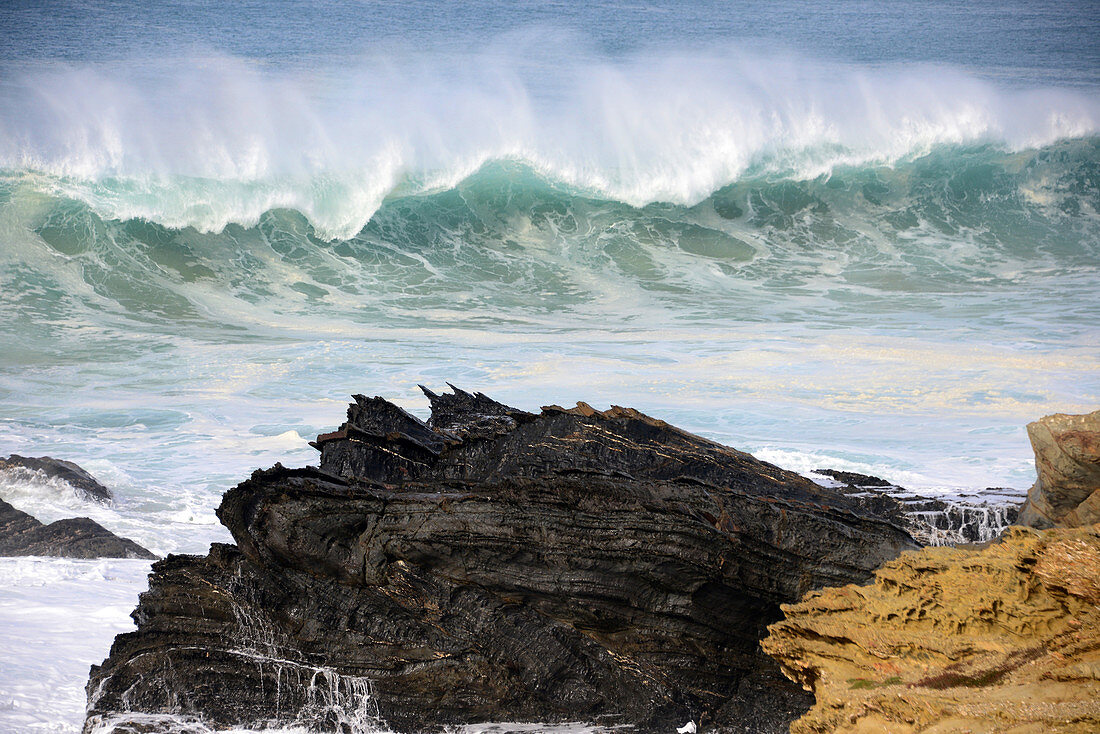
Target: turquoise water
851,234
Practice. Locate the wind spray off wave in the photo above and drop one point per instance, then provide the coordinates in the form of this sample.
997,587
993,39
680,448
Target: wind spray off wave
217,141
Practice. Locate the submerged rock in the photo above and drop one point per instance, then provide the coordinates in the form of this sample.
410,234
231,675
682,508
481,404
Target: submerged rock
78,537
1067,460
492,564
975,518
1001,639
83,482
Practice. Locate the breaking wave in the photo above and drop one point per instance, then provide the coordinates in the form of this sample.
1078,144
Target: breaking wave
507,243
220,141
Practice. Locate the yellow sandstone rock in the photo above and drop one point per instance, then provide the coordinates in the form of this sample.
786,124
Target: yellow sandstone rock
1000,639
1067,460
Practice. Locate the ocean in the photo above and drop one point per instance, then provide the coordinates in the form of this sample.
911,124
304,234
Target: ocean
847,234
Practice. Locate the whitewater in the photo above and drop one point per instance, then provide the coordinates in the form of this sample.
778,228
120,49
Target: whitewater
846,236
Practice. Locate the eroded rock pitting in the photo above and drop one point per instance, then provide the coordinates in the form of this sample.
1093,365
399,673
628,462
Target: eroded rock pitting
998,639
493,564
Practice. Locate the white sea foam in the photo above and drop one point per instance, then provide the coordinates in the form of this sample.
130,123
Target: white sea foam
57,617
156,517
49,498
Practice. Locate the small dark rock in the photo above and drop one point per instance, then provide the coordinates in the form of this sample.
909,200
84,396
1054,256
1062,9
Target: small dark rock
78,537
854,479
81,480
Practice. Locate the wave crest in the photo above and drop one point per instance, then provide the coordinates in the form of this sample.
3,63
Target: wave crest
223,142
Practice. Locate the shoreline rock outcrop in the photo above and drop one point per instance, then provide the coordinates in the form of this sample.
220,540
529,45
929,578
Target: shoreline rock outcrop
976,517
76,537
1000,639
1067,460
492,564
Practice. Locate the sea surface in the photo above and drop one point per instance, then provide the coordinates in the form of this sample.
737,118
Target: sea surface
846,234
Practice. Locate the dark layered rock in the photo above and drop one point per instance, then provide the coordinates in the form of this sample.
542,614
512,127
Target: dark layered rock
1067,461
78,537
493,564
974,517
83,482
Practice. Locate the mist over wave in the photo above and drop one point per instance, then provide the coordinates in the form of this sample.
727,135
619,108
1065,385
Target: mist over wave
218,140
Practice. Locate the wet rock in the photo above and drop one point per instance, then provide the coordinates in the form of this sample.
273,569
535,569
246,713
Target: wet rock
78,537
82,481
1005,638
977,518
854,479
493,564
1067,460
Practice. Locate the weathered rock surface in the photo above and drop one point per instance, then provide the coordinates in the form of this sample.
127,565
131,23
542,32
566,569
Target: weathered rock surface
83,482
78,537
1003,639
493,564
976,517
1067,460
